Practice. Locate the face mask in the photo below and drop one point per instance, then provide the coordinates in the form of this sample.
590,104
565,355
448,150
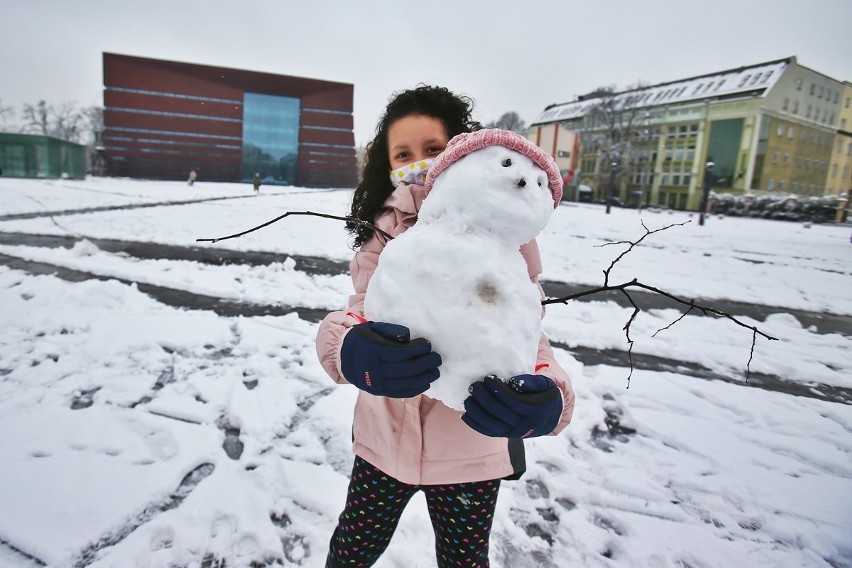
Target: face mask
412,173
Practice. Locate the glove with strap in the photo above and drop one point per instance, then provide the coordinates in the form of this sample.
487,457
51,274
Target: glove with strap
381,359
523,407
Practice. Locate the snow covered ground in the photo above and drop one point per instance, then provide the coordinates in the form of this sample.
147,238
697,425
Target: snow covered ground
135,433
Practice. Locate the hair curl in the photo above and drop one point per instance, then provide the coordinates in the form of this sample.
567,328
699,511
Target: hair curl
454,112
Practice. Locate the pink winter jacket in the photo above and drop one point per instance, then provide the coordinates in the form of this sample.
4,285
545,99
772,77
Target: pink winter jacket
419,440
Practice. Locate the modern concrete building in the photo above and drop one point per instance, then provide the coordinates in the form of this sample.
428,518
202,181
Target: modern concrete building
165,118
38,156
768,128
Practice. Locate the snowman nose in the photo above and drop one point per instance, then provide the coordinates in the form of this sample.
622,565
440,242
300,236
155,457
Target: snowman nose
521,182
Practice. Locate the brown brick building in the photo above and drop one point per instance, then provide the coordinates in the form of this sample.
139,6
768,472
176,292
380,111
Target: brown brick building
165,118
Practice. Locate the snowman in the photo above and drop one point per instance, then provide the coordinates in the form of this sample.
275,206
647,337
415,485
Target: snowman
457,277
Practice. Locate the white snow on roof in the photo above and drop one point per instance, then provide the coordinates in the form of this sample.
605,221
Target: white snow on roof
741,80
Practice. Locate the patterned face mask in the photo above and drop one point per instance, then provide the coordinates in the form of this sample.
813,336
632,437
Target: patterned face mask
412,173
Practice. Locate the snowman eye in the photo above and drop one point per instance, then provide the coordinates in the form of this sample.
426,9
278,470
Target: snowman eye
507,162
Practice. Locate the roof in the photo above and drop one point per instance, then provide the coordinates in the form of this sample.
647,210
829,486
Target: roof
750,80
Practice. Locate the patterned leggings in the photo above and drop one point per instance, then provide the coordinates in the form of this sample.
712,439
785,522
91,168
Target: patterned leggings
461,516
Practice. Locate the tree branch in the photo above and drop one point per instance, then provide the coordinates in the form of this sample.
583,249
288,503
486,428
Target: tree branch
607,287
287,214
623,288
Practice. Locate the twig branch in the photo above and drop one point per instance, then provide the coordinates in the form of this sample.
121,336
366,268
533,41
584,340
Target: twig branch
287,214
623,288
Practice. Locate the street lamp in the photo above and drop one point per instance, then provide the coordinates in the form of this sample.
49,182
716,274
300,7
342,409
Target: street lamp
645,158
612,167
708,181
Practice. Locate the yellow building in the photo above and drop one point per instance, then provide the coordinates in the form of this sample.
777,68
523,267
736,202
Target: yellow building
840,164
767,128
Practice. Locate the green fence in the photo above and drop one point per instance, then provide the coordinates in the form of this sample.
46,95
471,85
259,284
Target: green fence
36,156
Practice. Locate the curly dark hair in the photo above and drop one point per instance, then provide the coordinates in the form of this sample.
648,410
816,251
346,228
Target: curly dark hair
454,112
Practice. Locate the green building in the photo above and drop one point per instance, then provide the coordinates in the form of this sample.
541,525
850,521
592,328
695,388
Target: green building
37,156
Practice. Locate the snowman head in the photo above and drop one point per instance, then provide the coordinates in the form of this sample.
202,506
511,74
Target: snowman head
493,180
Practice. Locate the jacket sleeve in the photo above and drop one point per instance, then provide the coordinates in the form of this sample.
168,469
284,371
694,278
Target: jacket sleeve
335,325
546,360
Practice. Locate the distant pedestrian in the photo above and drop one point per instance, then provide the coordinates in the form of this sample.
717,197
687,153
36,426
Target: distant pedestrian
255,181
193,175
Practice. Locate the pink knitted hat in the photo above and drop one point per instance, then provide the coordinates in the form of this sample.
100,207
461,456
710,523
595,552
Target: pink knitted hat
467,142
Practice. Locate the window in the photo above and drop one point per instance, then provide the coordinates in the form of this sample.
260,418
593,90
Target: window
693,130
770,184
842,123
813,89
780,130
820,92
270,137
798,84
681,133
786,161
790,132
836,97
678,155
664,180
808,114
672,131
744,80
846,104
722,82
780,185
775,156
766,77
795,107
786,104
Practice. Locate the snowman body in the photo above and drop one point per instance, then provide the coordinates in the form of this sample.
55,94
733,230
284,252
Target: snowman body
457,277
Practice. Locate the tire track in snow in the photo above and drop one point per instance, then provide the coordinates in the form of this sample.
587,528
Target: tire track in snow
587,356
821,322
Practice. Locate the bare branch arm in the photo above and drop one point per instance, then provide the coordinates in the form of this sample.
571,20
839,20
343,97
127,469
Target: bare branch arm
287,214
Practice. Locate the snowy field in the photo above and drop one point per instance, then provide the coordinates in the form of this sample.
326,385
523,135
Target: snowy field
137,433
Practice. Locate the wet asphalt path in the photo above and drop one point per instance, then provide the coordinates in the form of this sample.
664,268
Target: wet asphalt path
821,322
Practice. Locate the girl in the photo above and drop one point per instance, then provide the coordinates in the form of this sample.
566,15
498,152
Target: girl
406,442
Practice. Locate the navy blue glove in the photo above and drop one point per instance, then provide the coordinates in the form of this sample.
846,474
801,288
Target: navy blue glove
381,359
524,407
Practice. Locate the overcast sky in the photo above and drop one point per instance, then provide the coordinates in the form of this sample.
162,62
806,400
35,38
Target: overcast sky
509,56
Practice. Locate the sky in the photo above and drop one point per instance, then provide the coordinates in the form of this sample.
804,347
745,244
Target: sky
507,56
134,432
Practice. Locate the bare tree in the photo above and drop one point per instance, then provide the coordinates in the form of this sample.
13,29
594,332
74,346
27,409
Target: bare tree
36,118
509,121
93,124
6,113
608,130
66,122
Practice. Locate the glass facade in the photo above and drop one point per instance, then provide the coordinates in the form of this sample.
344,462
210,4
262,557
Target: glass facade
270,138
36,156
723,147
